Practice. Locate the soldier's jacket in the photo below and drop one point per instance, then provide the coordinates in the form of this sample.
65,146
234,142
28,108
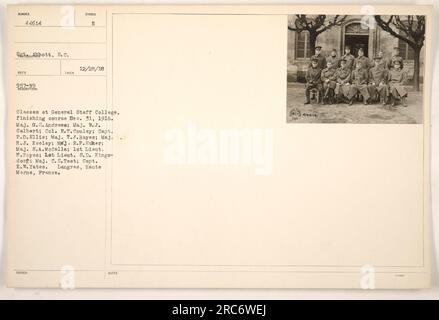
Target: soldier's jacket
334,60
359,76
365,62
329,74
313,75
350,59
321,61
383,63
378,74
343,75
397,76
392,61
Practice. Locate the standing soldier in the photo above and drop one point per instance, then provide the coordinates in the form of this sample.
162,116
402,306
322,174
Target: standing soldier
359,79
395,57
320,57
313,79
343,76
396,80
350,59
328,79
377,80
335,61
383,61
365,62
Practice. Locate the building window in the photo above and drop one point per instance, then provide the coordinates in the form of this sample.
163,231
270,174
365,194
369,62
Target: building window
407,52
302,45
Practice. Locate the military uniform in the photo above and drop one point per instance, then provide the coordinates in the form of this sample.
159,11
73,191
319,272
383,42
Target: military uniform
321,60
328,77
378,81
365,62
391,62
313,80
334,60
350,60
396,79
343,76
359,79
383,63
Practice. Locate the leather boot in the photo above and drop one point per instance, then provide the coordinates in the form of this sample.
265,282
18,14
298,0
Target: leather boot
404,101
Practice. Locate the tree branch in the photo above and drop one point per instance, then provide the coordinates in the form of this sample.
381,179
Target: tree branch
387,26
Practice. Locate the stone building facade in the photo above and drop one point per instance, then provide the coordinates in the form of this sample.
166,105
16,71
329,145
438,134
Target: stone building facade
352,33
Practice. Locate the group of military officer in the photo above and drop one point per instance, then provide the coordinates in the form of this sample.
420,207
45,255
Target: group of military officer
343,79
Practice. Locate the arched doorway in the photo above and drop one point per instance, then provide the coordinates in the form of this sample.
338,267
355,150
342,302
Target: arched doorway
356,37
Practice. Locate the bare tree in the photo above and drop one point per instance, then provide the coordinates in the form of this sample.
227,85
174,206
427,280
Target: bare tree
410,29
315,25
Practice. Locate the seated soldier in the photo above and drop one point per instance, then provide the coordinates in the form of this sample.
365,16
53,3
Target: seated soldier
396,79
313,81
395,57
359,79
378,80
342,78
328,79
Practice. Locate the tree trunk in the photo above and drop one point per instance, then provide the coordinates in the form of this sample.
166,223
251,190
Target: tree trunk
312,41
416,68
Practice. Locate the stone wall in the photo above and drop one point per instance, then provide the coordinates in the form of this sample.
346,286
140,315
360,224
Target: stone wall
333,39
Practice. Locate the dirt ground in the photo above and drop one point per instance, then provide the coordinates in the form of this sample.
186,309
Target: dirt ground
297,112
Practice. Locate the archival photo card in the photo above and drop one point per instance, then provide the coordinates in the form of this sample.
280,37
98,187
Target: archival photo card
156,146
355,68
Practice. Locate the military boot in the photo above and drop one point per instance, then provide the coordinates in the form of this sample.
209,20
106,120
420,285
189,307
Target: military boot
404,101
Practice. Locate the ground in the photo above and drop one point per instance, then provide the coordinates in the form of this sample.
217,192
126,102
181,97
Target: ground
297,112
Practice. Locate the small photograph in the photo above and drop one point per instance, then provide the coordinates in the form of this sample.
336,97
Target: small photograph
355,69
